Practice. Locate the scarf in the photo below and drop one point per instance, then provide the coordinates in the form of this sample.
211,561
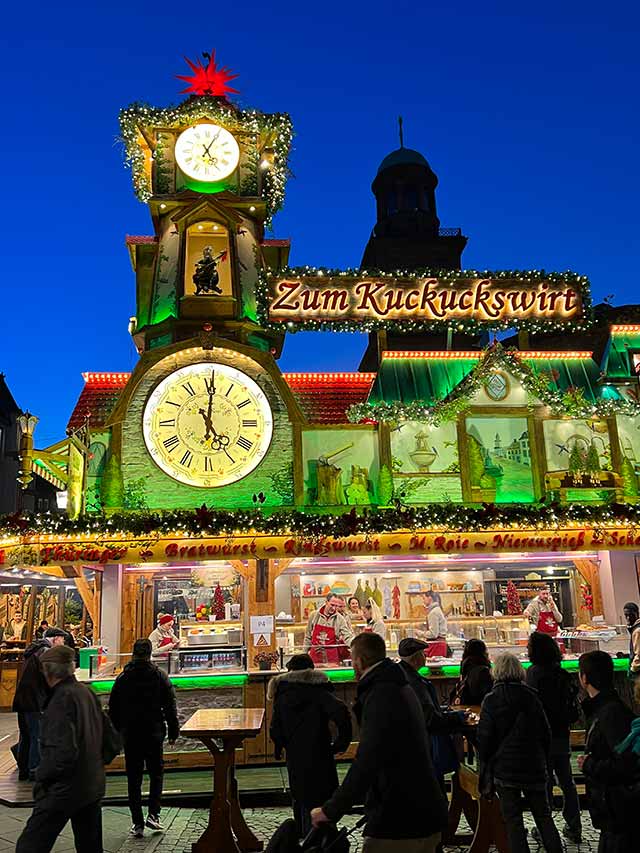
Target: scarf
632,740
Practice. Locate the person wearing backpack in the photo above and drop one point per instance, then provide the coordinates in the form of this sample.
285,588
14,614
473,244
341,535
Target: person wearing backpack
513,740
559,696
607,772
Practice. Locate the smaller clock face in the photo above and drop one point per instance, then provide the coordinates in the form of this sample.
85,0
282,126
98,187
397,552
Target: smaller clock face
207,152
207,424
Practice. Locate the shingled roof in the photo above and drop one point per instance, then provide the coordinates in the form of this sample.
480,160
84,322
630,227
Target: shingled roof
323,397
97,399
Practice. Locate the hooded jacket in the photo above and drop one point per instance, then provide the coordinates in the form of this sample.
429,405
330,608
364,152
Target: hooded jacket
71,773
304,706
514,736
32,691
143,702
392,772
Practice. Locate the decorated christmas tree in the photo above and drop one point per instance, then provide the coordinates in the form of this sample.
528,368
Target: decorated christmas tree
217,605
514,607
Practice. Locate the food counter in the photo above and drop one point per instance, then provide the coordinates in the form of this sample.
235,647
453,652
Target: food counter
249,689
507,633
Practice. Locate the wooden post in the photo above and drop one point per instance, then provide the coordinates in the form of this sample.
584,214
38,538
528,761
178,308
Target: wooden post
31,611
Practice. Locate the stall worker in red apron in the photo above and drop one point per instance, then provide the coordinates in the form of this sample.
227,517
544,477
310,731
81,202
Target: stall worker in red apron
327,627
436,633
543,614
163,639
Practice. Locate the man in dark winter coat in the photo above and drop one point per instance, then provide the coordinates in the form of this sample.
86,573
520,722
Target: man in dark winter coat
70,777
304,706
29,701
608,723
558,693
514,739
142,706
392,772
440,724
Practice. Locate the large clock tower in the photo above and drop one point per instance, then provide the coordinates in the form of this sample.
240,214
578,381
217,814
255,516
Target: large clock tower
206,415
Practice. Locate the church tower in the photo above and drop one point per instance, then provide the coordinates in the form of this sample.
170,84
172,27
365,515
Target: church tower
407,236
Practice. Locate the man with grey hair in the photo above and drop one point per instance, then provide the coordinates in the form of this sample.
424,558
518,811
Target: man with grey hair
514,740
70,777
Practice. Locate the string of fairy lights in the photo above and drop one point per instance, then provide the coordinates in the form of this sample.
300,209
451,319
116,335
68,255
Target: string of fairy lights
468,325
138,121
541,388
205,521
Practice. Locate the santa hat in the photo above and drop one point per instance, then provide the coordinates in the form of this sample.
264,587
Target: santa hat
165,619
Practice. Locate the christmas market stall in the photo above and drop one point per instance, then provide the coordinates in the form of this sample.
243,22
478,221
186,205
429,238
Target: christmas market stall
485,454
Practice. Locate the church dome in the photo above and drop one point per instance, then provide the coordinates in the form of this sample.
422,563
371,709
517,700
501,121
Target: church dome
403,157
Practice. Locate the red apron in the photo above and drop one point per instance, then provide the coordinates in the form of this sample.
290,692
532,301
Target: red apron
165,641
547,623
323,635
436,649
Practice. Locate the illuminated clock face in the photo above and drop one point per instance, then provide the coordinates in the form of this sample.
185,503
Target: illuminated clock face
207,152
207,425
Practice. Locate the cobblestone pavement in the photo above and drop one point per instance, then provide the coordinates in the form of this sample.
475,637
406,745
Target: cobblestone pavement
184,826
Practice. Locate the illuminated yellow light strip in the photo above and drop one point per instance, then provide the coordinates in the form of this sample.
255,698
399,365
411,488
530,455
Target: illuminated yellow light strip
556,354
431,354
625,329
108,378
317,378
451,354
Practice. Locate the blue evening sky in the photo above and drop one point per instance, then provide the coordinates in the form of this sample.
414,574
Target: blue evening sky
527,112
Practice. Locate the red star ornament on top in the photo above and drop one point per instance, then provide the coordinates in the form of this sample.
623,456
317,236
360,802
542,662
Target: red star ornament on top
207,79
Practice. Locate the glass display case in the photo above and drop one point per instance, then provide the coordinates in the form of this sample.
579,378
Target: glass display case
201,634
226,659
501,633
212,661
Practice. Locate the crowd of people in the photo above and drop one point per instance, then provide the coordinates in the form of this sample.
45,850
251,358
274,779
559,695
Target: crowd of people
522,740
407,742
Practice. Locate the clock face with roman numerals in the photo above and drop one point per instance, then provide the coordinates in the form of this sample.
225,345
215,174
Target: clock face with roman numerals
207,425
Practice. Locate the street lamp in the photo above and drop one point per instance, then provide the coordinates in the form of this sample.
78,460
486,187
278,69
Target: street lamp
27,423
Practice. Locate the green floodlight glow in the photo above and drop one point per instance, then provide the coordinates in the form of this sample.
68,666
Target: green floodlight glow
195,682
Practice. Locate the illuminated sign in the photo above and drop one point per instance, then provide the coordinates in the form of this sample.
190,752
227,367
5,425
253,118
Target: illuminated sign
459,300
175,550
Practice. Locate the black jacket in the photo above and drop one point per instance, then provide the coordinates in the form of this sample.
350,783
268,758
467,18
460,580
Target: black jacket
71,773
143,702
392,772
304,706
32,691
608,723
437,721
514,736
557,692
475,681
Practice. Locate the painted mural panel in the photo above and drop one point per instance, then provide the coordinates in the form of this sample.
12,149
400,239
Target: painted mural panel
629,435
340,466
425,463
499,457
572,444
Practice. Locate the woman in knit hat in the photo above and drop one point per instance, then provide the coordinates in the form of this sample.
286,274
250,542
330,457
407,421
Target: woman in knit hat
163,639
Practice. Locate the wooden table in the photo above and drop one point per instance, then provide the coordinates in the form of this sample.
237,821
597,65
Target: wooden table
222,731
